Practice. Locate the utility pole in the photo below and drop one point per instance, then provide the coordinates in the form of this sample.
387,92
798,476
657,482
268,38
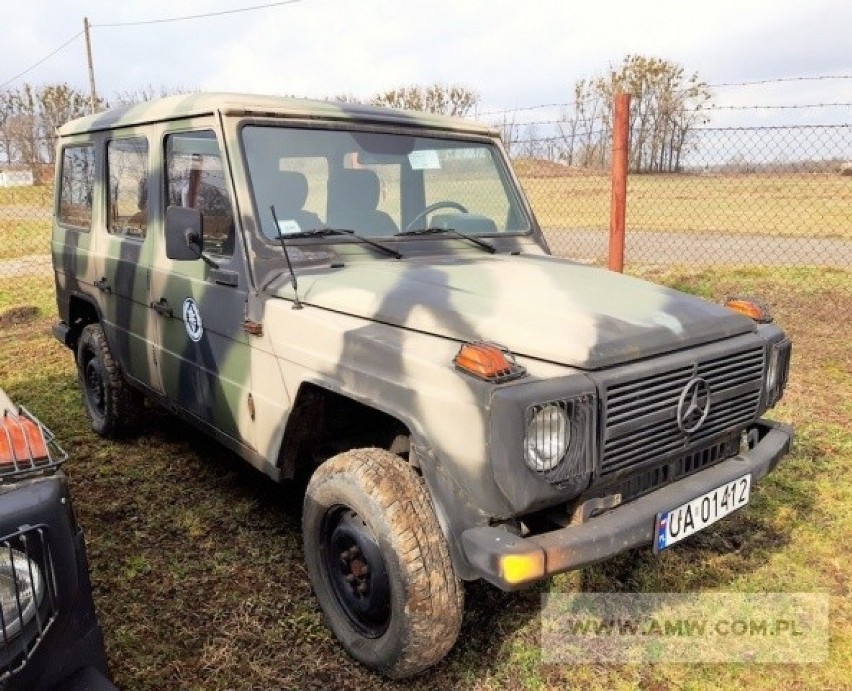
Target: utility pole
93,96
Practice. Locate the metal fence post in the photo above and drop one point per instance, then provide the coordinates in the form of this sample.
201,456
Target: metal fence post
618,201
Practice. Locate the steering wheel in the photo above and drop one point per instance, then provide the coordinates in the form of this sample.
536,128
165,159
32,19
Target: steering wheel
434,207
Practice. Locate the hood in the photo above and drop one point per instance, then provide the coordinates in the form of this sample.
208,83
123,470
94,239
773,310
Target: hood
537,306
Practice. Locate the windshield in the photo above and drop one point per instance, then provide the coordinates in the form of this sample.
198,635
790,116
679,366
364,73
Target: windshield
377,184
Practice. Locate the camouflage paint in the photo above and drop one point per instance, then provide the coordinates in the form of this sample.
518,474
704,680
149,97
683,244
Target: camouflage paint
379,330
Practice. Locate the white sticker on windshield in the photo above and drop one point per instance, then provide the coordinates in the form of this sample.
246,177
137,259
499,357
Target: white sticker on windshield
288,226
424,159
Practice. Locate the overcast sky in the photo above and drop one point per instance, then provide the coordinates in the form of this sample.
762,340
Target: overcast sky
517,53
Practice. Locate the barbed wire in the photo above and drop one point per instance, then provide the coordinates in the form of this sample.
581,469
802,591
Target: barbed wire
569,121
776,80
771,127
779,80
528,108
580,135
793,106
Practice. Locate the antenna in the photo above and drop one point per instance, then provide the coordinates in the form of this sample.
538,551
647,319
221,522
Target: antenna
297,304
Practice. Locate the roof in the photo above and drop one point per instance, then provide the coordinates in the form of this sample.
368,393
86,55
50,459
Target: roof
186,105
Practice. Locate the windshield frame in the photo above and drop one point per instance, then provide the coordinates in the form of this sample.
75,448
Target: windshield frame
507,177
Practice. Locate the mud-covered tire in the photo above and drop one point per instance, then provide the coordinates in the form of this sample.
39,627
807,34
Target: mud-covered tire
113,407
426,598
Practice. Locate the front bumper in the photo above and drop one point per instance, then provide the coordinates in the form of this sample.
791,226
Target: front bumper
511,562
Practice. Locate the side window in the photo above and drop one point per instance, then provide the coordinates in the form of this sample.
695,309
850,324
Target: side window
127,196
78,182
195,179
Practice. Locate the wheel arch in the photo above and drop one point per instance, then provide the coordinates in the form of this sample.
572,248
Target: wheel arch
452,507
311,423
82,311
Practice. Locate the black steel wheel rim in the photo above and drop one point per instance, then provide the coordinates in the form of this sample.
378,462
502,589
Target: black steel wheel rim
356,570
93,383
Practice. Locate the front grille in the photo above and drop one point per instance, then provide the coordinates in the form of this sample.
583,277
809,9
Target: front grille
641,412
649,479
27,594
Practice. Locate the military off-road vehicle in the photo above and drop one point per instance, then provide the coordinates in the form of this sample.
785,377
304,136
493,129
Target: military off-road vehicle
364,296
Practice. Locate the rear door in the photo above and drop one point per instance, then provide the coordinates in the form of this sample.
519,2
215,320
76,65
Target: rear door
203,350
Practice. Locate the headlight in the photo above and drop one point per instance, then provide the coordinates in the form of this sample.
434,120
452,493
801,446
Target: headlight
21,590
547,437
777,371
772,370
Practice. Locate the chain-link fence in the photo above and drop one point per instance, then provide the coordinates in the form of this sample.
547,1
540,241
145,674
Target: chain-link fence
26,279
776,197
745,196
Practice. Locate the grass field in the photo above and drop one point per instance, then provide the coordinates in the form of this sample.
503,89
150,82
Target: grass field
200,582
25,217
785,205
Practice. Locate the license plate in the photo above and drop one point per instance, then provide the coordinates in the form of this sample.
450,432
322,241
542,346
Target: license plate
687,519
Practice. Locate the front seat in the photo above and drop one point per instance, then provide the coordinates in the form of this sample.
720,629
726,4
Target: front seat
353,196
289,197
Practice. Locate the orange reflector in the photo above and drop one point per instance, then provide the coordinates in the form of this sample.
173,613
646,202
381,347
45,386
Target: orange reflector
487,361
750,309
21,440
522,568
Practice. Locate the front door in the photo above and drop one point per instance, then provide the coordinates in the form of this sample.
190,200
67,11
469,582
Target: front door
124,259
204,354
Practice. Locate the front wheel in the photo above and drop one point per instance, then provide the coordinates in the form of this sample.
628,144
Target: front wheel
379,564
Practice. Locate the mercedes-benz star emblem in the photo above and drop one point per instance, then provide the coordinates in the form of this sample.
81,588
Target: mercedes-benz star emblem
693,405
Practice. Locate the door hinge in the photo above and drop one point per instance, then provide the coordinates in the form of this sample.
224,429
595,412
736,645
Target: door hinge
253,328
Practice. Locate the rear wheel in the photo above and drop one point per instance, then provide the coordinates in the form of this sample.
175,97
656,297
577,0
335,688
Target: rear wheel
379,564
113,407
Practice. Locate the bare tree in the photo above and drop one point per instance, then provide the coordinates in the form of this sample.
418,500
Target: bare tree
148,92
7,111
57,104
23,127
666,106
509,133
445,99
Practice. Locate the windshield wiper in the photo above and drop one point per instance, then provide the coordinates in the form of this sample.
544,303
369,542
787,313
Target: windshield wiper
326,232
487,246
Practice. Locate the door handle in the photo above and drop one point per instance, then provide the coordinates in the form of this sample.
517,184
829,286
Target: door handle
162,308
103,285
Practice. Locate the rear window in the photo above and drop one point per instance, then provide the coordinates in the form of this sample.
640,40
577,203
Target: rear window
127,208
77,186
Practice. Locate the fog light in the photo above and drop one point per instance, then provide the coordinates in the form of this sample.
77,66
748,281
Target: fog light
21,591
547,437
522,568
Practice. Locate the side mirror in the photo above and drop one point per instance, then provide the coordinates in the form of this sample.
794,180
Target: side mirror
184,233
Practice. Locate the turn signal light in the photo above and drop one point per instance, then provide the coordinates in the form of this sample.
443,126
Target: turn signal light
488,361
749,308
20,440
